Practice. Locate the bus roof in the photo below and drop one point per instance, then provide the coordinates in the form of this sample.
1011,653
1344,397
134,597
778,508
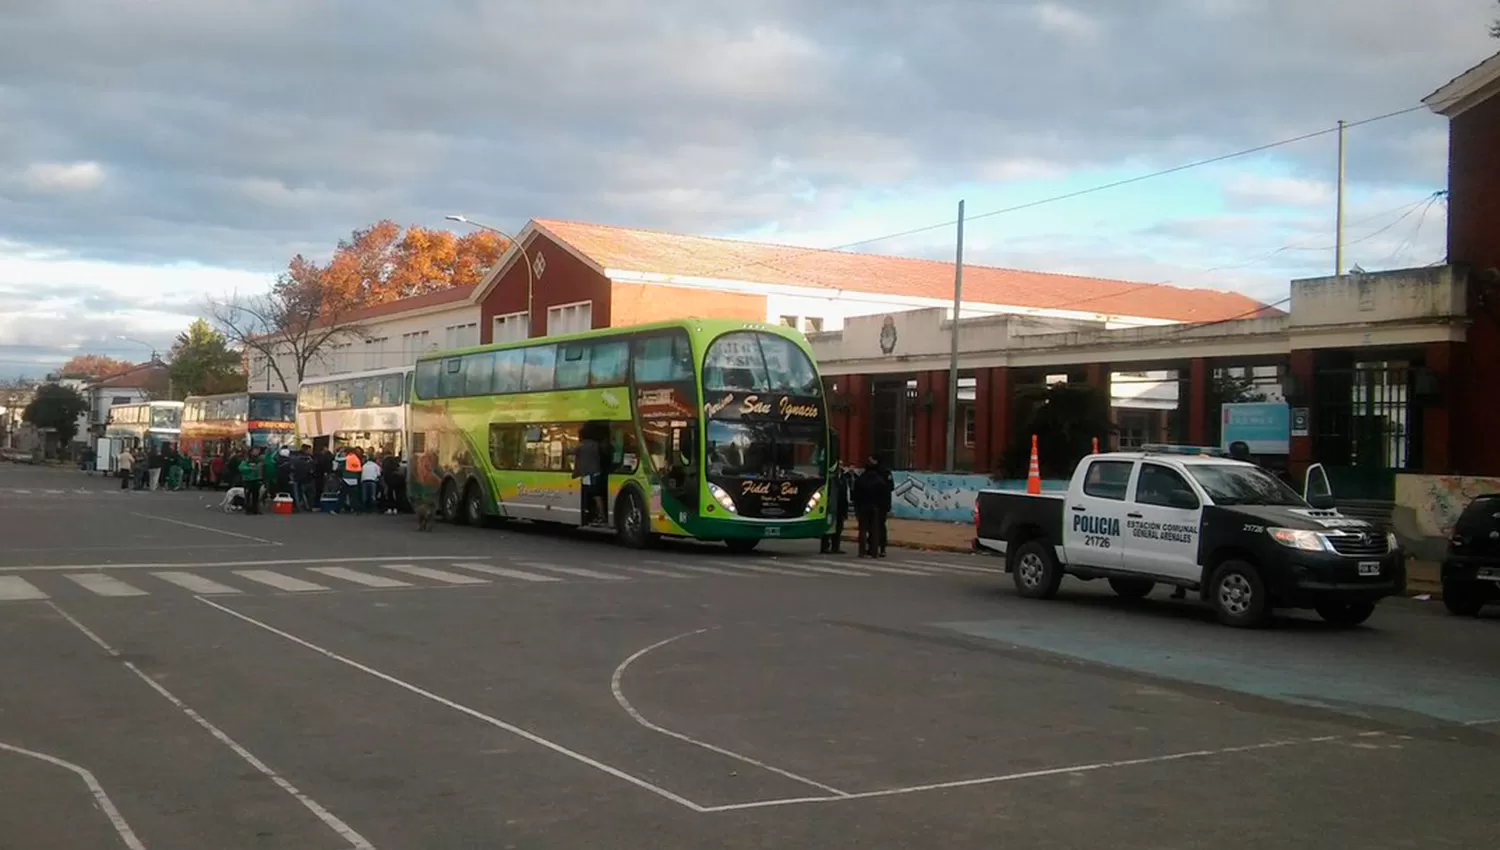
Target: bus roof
367,373
703,327
245,393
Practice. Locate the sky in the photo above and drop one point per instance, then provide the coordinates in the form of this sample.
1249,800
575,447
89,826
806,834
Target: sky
157,153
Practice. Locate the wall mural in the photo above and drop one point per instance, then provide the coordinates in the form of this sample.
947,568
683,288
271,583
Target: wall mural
1437,500
943,497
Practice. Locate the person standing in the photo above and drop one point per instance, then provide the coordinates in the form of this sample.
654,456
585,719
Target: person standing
251,471
302,478
155,463
125,464
869,499
390,483
838,509
887,496
587,469
349,494
369,485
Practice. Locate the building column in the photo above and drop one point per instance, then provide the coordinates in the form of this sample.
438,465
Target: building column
982,420
999,410
1303,368
922,424
938,422
1437,421
857,435
1197,403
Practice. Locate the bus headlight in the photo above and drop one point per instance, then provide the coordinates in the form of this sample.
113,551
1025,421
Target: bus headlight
817,499
723,498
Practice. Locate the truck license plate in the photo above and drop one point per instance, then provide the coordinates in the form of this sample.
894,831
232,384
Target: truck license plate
1369,568
1489,573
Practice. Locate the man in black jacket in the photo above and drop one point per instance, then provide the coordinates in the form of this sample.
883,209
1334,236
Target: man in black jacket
872,501
838,508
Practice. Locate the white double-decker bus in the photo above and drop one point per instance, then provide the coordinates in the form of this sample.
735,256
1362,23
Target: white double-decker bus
365,409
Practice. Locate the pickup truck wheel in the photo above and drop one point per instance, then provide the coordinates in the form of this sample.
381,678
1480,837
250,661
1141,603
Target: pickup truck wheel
1238,595
1341,613
1461,598
1037,573
1132,588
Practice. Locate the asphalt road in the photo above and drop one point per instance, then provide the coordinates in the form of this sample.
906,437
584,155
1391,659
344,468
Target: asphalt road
175,677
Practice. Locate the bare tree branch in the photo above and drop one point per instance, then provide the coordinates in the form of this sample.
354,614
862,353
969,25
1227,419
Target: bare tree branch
297,320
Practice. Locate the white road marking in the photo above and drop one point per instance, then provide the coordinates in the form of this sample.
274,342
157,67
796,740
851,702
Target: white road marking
1030,774
900,571
435,575
695,568
501,571
279,581
54,492
104,585
617,690
195,583
463,709
13,588
366,579
963,568
206,528
166,565
357,841
658,573
116,820
572,571
22,492
831,571
778,570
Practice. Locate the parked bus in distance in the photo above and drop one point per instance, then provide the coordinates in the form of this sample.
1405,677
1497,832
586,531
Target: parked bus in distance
709,429
365,409
147,424
217,425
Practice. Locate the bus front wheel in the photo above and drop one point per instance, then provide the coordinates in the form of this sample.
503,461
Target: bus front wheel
741,545
631,525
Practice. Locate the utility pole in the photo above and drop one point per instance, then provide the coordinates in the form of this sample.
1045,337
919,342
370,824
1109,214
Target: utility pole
958,291
1338,237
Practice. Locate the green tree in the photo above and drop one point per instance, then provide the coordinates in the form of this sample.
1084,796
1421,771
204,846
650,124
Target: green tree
202,363
1066,418
57,407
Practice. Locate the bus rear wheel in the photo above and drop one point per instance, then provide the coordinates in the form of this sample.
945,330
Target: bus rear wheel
474,504
631,526
452,508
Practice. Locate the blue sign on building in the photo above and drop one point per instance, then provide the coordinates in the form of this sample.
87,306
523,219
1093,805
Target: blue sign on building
1266,426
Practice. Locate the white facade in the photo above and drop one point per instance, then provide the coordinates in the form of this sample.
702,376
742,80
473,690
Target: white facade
394,340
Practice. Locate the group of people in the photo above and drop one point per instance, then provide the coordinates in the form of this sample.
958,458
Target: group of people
868,492
154,468
362,485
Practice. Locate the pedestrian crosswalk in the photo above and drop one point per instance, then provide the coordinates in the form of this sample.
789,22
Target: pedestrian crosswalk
312,578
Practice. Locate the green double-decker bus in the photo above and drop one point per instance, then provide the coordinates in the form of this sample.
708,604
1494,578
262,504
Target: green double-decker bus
708,429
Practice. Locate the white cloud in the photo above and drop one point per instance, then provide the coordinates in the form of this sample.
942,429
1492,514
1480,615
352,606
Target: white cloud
52,177
1258,190
1066,21
1014,169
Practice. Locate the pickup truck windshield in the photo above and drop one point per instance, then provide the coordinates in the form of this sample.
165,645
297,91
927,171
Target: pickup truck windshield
1227,484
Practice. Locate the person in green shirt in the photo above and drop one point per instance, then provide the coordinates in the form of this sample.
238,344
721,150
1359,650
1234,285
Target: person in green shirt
250,477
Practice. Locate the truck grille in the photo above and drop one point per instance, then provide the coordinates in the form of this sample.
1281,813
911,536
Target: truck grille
1361,545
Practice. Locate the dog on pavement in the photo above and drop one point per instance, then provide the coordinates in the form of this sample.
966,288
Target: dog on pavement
425,511
234,500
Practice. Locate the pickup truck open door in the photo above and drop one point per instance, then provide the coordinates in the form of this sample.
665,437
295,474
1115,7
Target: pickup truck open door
1316,490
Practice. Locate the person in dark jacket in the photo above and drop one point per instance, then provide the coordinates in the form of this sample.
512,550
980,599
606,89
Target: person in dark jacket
838,508
886,497
872,500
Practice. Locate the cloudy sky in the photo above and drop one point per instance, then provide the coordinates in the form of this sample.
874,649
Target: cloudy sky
155,151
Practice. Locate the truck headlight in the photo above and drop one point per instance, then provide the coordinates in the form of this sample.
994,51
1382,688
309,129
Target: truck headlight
1391,543
1296,538
723,498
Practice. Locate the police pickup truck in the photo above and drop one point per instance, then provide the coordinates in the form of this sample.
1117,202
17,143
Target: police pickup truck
1225,529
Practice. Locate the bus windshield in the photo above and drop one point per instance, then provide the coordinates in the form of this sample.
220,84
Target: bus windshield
755,361
273,408
779,450
166,417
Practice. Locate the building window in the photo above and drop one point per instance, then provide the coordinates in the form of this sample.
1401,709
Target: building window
570,318
511,327
459,336
789,321
414,343
814,324
970,427
377,340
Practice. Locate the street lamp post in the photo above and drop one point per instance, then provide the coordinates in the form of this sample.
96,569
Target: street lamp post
155,360
530,273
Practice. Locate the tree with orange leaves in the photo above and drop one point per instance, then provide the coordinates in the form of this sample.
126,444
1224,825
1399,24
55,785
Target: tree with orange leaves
96,366
383,263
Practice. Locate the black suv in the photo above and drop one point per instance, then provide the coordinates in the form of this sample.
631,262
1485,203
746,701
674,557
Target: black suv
1471,572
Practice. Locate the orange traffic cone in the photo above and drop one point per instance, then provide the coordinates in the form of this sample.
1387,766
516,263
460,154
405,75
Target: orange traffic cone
1034,474
1096,445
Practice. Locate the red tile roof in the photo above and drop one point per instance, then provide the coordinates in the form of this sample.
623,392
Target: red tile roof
653,252
146,375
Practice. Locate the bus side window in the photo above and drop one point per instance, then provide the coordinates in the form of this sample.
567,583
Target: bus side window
508,368
624,453
426,379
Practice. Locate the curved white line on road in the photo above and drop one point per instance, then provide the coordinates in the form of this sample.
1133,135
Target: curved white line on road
206,528
614,686
117,820
329,819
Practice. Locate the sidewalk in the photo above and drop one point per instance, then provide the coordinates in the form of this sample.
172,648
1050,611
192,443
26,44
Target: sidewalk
1421,576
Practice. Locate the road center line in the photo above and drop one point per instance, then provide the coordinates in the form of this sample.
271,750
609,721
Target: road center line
462,709
357,841
206,528
117,820
616,689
